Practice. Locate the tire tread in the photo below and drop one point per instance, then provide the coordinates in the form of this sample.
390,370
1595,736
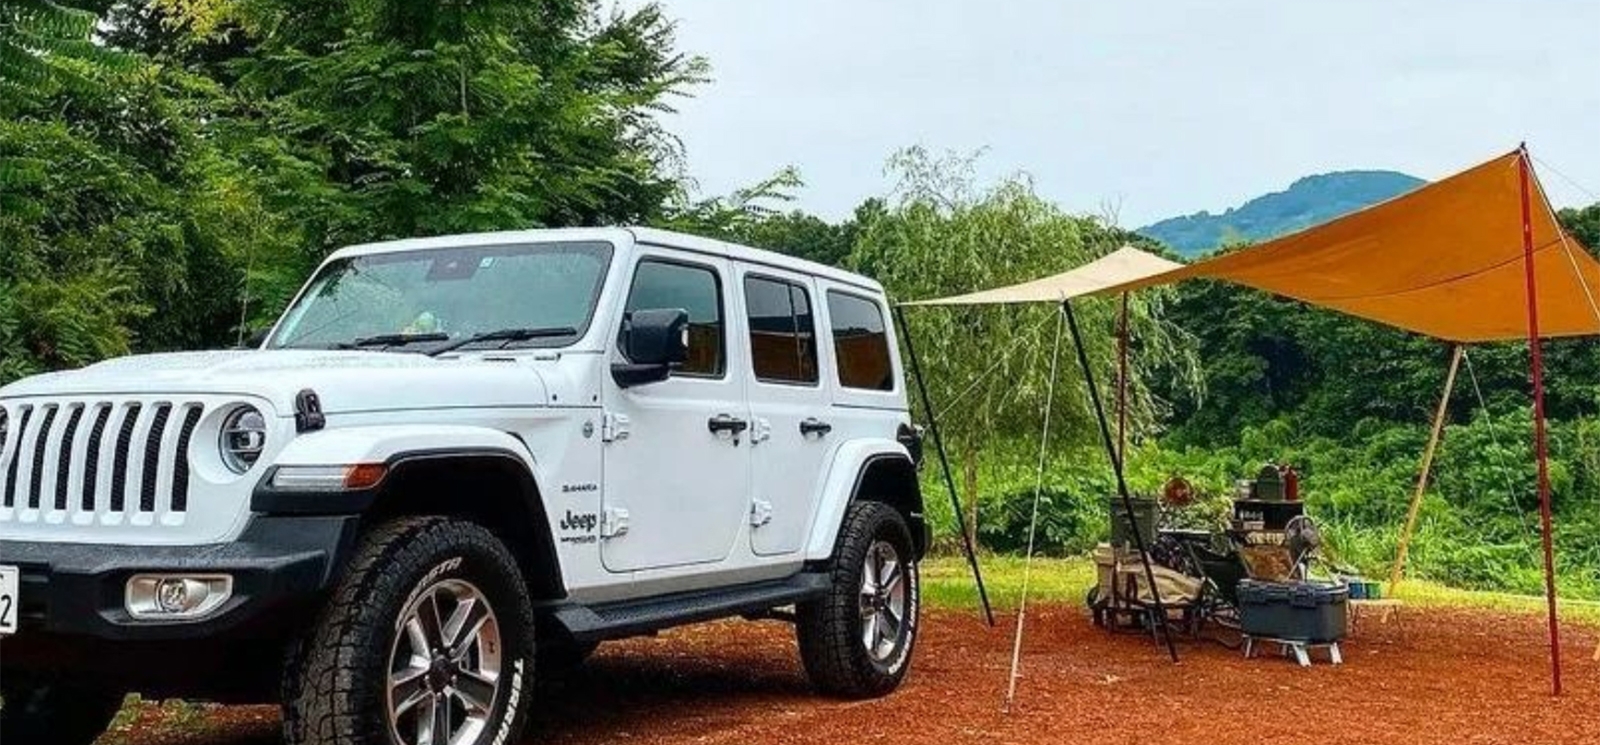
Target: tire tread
833,656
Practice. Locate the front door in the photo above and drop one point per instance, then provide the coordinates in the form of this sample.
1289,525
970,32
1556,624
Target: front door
677,467
789,407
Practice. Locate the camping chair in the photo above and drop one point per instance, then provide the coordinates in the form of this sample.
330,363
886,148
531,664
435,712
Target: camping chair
1221,573
1131,596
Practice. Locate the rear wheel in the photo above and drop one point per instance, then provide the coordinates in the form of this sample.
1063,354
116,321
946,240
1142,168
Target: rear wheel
856,642
427,641
57,712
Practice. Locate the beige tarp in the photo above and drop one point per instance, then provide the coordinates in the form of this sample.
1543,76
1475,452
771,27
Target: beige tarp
1124,265
1445,260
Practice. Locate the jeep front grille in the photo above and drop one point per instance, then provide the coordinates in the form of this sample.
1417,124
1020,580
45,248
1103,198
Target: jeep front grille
99,461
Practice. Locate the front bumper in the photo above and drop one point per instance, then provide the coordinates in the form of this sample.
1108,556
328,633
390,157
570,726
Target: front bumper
277,565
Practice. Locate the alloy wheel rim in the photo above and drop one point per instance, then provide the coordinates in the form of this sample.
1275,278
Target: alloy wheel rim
444,666
882,601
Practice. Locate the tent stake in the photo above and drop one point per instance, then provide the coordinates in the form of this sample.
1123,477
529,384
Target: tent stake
1541,447
1116,467
944,461
1399,568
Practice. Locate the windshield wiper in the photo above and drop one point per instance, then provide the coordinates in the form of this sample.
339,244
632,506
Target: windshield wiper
391,340
507,336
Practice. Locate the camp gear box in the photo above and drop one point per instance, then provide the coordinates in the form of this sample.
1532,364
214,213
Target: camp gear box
1269,484
1144,519
1271,515
1299,611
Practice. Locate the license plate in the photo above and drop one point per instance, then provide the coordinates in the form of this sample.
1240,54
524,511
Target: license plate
10,588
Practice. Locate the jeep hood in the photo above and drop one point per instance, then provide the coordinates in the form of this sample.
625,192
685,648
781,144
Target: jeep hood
345,381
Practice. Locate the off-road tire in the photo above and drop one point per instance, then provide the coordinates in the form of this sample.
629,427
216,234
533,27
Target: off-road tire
56,712
335,689
829,629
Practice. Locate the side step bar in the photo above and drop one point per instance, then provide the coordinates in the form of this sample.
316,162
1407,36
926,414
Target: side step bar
636,617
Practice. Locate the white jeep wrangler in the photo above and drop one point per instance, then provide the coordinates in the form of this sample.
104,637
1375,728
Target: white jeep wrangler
455,463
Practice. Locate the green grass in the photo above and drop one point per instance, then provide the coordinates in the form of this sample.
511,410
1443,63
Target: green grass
947,583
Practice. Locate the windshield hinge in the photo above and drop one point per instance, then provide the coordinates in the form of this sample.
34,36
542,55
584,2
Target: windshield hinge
614,427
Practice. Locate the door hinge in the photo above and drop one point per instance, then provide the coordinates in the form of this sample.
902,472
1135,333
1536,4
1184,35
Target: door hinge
760,430
614,427
615,523
760,512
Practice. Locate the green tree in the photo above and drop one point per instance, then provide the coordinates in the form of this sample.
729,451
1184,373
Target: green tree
44,48
398,118
988,368
1584,224
122,224
753,216
1267,358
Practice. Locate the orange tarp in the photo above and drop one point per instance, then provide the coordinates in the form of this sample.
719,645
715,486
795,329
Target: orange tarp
1445,260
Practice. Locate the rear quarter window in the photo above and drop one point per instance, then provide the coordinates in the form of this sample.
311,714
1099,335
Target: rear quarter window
860,342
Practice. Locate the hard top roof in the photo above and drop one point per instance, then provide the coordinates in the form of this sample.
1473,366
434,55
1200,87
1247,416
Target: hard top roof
618,235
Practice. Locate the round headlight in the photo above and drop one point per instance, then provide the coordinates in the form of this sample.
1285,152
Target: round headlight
244,436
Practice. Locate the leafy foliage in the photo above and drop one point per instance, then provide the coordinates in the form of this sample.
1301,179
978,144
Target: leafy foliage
45,51
173,182
989,367
1584,224
110,222
426,118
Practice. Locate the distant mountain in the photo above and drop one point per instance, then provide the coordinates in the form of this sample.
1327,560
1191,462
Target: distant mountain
1310,201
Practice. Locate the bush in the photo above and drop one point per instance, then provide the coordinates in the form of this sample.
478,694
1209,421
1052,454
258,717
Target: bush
1478,525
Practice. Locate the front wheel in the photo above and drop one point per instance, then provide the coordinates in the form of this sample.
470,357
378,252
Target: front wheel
856,642
60,712
427,641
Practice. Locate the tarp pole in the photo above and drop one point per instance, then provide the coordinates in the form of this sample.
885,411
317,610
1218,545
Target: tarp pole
1116,467
944,461
1541,447
1122,381
1399,568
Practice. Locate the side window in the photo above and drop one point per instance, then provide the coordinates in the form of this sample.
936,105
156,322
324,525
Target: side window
663,284
783,336
860,343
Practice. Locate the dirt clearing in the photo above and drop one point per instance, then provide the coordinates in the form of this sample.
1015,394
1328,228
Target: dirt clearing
1436,676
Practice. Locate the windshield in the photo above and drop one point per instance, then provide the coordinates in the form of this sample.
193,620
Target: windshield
444,296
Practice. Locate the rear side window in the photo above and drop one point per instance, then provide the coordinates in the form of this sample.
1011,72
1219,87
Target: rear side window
860,343
783,336
666,285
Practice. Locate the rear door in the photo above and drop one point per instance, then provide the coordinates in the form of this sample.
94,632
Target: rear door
791,435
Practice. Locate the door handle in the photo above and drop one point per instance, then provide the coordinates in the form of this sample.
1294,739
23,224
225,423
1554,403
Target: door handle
815,426
727,423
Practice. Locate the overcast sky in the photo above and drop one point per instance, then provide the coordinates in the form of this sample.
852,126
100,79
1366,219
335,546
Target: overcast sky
1163,107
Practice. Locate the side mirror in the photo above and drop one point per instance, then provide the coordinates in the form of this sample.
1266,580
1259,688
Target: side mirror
654,342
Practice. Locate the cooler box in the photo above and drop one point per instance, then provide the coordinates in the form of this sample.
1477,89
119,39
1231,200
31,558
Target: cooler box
1311,612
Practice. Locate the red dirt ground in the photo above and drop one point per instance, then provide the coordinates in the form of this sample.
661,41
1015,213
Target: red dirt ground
1436,676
